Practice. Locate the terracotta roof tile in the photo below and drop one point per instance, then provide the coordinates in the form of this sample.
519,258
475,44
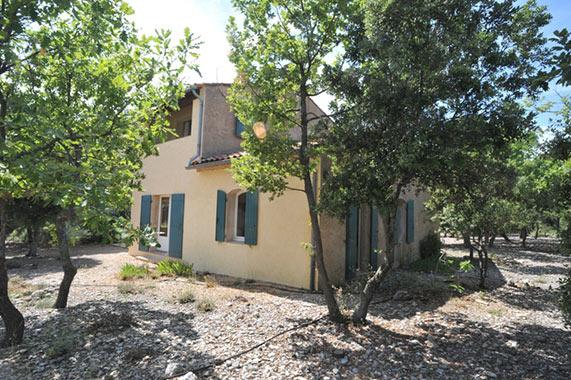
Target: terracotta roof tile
218,158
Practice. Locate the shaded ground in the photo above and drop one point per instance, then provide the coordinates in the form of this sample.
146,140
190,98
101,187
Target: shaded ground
419,326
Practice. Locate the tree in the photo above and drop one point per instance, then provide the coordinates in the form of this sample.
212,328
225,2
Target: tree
426,88
15,17
85,108
279,53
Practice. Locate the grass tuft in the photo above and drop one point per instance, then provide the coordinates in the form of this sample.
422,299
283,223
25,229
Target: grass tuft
129,289
210,281
175,268
60,345
130,271
187,296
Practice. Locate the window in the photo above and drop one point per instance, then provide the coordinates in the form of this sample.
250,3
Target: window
240,217
237,216
164,218
239,128
187,128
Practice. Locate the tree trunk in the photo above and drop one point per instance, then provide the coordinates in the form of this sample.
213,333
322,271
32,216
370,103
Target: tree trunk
69,270
483,258
360,313
536,231
466,238
506,238
33,232
492,240
523,236
324,283
12,318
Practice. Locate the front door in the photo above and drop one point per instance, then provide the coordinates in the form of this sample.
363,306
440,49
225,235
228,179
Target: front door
164,227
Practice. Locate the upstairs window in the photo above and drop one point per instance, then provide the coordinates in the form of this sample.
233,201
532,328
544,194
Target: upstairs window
186,128
239,127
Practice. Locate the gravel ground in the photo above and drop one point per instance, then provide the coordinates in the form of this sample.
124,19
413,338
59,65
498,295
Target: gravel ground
419,328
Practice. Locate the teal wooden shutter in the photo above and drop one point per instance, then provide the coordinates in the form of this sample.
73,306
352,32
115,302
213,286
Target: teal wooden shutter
145,219
374,237
351,244
397,225
251,225
410,221
220,215
239,127
176,224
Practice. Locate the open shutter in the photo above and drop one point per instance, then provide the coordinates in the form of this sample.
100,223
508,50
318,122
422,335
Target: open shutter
397,225
176,224
251,227
410,221
374,236
220,215
239,127
351,244
145,219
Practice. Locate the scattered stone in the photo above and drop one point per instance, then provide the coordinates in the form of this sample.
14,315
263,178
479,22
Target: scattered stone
173,368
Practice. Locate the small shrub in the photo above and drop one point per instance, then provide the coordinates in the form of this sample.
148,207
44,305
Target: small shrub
129,289
205,306
187,296
46,303
564,297
210,281
60,345
130,271
175,268
430,245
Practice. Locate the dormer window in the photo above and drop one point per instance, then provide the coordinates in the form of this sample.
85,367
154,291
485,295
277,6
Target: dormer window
186,128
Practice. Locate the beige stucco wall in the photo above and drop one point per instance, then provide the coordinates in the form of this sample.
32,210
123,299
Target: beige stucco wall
219,123
282,224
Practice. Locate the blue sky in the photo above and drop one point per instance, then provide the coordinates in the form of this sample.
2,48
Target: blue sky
208,19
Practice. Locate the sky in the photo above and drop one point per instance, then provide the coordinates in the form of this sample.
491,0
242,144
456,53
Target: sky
207,19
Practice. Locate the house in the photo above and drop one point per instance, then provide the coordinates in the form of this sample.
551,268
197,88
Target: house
203,217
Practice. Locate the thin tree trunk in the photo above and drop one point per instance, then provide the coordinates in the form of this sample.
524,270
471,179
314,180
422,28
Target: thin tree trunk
324,283
492,240
506,238
523,236
536,231
12,318
69,269
360,313
466,238
33,232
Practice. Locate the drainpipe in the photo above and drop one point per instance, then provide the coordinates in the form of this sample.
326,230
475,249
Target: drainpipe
199,141
312,257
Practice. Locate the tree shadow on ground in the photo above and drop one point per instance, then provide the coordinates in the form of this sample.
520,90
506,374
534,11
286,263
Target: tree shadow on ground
126,339
444,347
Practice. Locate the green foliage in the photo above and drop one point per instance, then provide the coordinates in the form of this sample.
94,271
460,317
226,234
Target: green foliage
205,305
430,245
564,297
46,303
175,268
61,344
130,271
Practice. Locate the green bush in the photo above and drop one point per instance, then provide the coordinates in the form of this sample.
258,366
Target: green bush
430,245
62,344
130,271
564,297
175,268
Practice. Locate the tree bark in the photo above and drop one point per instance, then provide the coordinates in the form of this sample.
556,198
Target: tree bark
12,318
492,240
324,283
466,238
536,231
69,270
360,313
506,238
33,232
523,236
